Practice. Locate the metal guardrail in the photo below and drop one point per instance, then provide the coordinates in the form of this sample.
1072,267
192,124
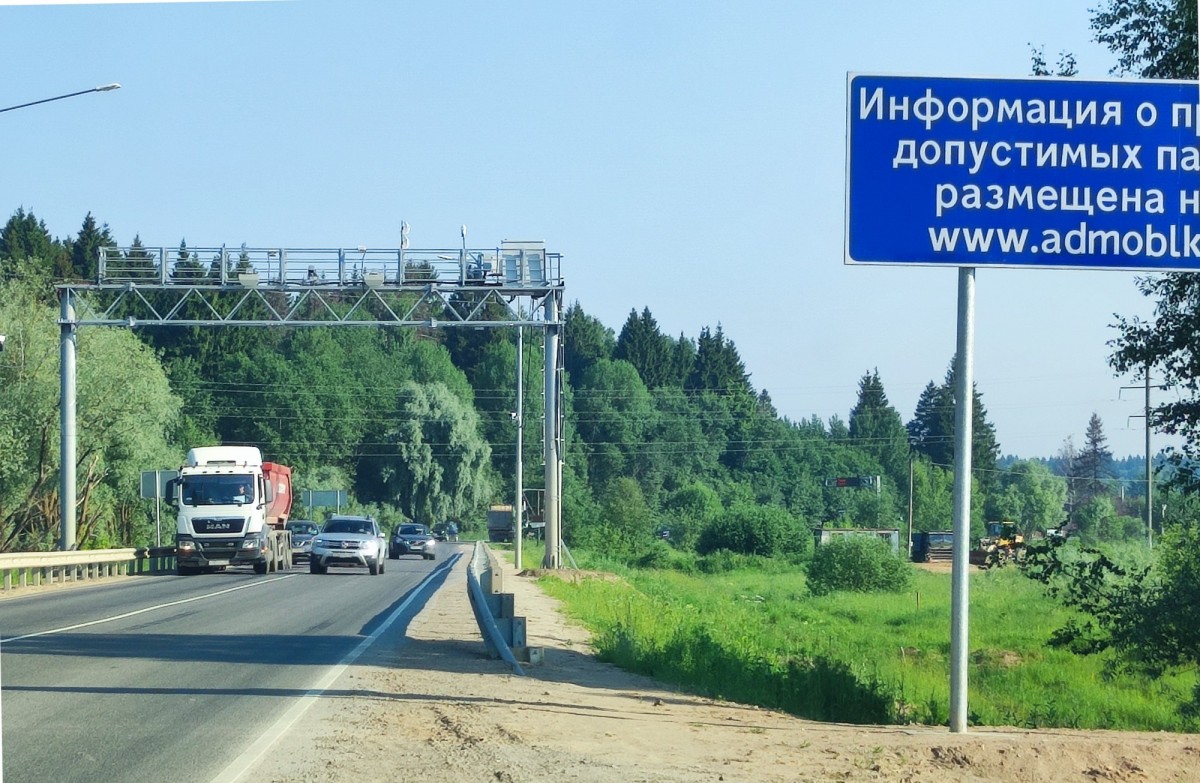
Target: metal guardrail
33,569
483,580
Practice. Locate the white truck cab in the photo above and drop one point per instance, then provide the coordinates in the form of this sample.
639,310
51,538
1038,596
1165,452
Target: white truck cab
232,509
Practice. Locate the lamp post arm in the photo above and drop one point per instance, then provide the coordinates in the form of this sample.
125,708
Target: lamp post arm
102,88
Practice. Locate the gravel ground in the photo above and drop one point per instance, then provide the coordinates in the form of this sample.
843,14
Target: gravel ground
438,710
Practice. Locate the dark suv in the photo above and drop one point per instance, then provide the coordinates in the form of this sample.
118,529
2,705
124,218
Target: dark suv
412,539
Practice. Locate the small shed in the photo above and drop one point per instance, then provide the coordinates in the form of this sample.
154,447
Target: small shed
823,535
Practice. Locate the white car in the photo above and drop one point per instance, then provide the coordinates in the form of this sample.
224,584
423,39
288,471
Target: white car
349,541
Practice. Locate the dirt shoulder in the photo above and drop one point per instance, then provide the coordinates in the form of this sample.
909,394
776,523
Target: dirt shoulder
437,709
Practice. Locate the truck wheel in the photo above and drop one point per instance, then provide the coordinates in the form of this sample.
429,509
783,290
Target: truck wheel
183,570
373,567
260,567
315,568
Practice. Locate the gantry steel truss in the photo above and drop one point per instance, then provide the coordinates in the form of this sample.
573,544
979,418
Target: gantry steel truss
502,287
517,284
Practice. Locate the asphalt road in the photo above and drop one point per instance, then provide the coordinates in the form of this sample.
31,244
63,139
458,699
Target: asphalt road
169,677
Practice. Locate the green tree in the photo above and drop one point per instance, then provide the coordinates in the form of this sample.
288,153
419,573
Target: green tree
125,412
1098,522
646,348
932,430
613,410
24,236
683,358
689,510
1031,496
585,341
1157,39
1093,464
85,248
1148,615
876,428
933,496
717,367
1153,39
435,463
138,262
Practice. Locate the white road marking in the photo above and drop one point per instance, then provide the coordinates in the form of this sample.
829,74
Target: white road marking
136,612
242,764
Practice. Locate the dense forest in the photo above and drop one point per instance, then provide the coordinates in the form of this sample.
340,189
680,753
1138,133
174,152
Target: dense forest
662,433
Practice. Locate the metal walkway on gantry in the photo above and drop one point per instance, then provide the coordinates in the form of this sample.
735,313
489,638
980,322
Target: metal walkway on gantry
496,287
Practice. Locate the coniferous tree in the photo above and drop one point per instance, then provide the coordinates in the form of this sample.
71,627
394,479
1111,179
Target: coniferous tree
585,341
932,430
718,367
646,348
137,262
85,248
1093,464
876,428
25,237
683,357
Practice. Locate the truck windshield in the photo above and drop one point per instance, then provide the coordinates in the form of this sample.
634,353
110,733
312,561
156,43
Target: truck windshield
223,490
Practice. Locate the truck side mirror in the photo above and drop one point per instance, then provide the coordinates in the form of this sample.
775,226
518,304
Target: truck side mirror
172,492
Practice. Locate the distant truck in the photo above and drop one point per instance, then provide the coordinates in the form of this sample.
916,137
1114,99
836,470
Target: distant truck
933,546
500,519
232,510
500,523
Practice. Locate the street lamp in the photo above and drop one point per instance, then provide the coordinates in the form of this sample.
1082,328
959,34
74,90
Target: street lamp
101,88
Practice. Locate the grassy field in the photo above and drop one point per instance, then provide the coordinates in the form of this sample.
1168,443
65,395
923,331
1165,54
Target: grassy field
762,638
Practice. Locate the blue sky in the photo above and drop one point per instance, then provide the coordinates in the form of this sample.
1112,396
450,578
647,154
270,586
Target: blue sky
686,157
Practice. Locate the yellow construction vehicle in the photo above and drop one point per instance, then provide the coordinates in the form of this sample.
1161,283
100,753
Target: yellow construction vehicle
1002,545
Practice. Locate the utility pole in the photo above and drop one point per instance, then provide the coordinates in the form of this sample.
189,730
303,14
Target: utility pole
1149,459
910,502
1149,471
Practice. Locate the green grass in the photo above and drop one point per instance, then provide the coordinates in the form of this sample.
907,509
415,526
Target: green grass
761,638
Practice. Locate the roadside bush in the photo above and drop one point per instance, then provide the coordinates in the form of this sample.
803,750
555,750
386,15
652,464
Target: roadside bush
663,556
863,564
748,529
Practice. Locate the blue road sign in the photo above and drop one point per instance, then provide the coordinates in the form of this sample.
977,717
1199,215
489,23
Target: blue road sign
1036,172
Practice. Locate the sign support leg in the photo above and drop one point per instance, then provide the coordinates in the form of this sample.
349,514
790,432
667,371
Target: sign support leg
964,399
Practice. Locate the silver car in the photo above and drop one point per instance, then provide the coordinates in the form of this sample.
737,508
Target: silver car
349,541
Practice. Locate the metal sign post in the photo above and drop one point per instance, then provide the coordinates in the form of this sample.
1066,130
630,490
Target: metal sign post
154,483
963,426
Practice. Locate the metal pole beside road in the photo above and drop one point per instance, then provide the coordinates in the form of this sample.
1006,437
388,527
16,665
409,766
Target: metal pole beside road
550,505
964,408
519,501
67,420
